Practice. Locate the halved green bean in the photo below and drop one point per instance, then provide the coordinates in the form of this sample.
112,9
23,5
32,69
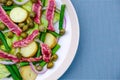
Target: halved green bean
55,49
42,37
7,8
62,16
4,41
23,64
43,2
16,71
39,51
14,76
43,63
54,33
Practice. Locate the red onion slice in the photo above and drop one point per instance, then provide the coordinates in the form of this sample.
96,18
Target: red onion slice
65,22
20,3
37,72
5,31
7,62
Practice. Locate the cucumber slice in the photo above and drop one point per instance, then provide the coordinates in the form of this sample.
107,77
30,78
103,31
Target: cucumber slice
44,22
3,71
28,6
15,38
43,25
46,2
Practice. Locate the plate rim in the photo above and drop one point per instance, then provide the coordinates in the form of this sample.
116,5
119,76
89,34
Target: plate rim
76,39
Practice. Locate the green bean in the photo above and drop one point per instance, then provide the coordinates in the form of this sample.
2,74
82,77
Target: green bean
23,64
7,8
27,63
39,51
14,76
43,2
55,49
54,33
43,63
4,41
16,71
62,16
42,37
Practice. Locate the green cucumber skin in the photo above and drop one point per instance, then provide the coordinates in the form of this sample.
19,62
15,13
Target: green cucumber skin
28,6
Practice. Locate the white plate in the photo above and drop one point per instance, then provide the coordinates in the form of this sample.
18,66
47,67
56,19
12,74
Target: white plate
69,44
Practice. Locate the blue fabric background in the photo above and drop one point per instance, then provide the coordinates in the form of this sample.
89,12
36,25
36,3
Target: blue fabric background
98,55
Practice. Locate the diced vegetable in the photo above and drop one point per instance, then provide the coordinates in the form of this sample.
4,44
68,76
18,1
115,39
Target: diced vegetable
18,11
44,21
3,71
56,17
29,50
27,73
28,6
50,40
62,16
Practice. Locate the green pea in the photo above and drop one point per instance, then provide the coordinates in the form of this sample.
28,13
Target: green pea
19,55
32,14
54,57
3,1
29,20
9,3
25,28
24,35
21,25
62,32
31,25
10,35
50,65
2,26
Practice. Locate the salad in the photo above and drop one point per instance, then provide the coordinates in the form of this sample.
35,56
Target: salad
28,37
